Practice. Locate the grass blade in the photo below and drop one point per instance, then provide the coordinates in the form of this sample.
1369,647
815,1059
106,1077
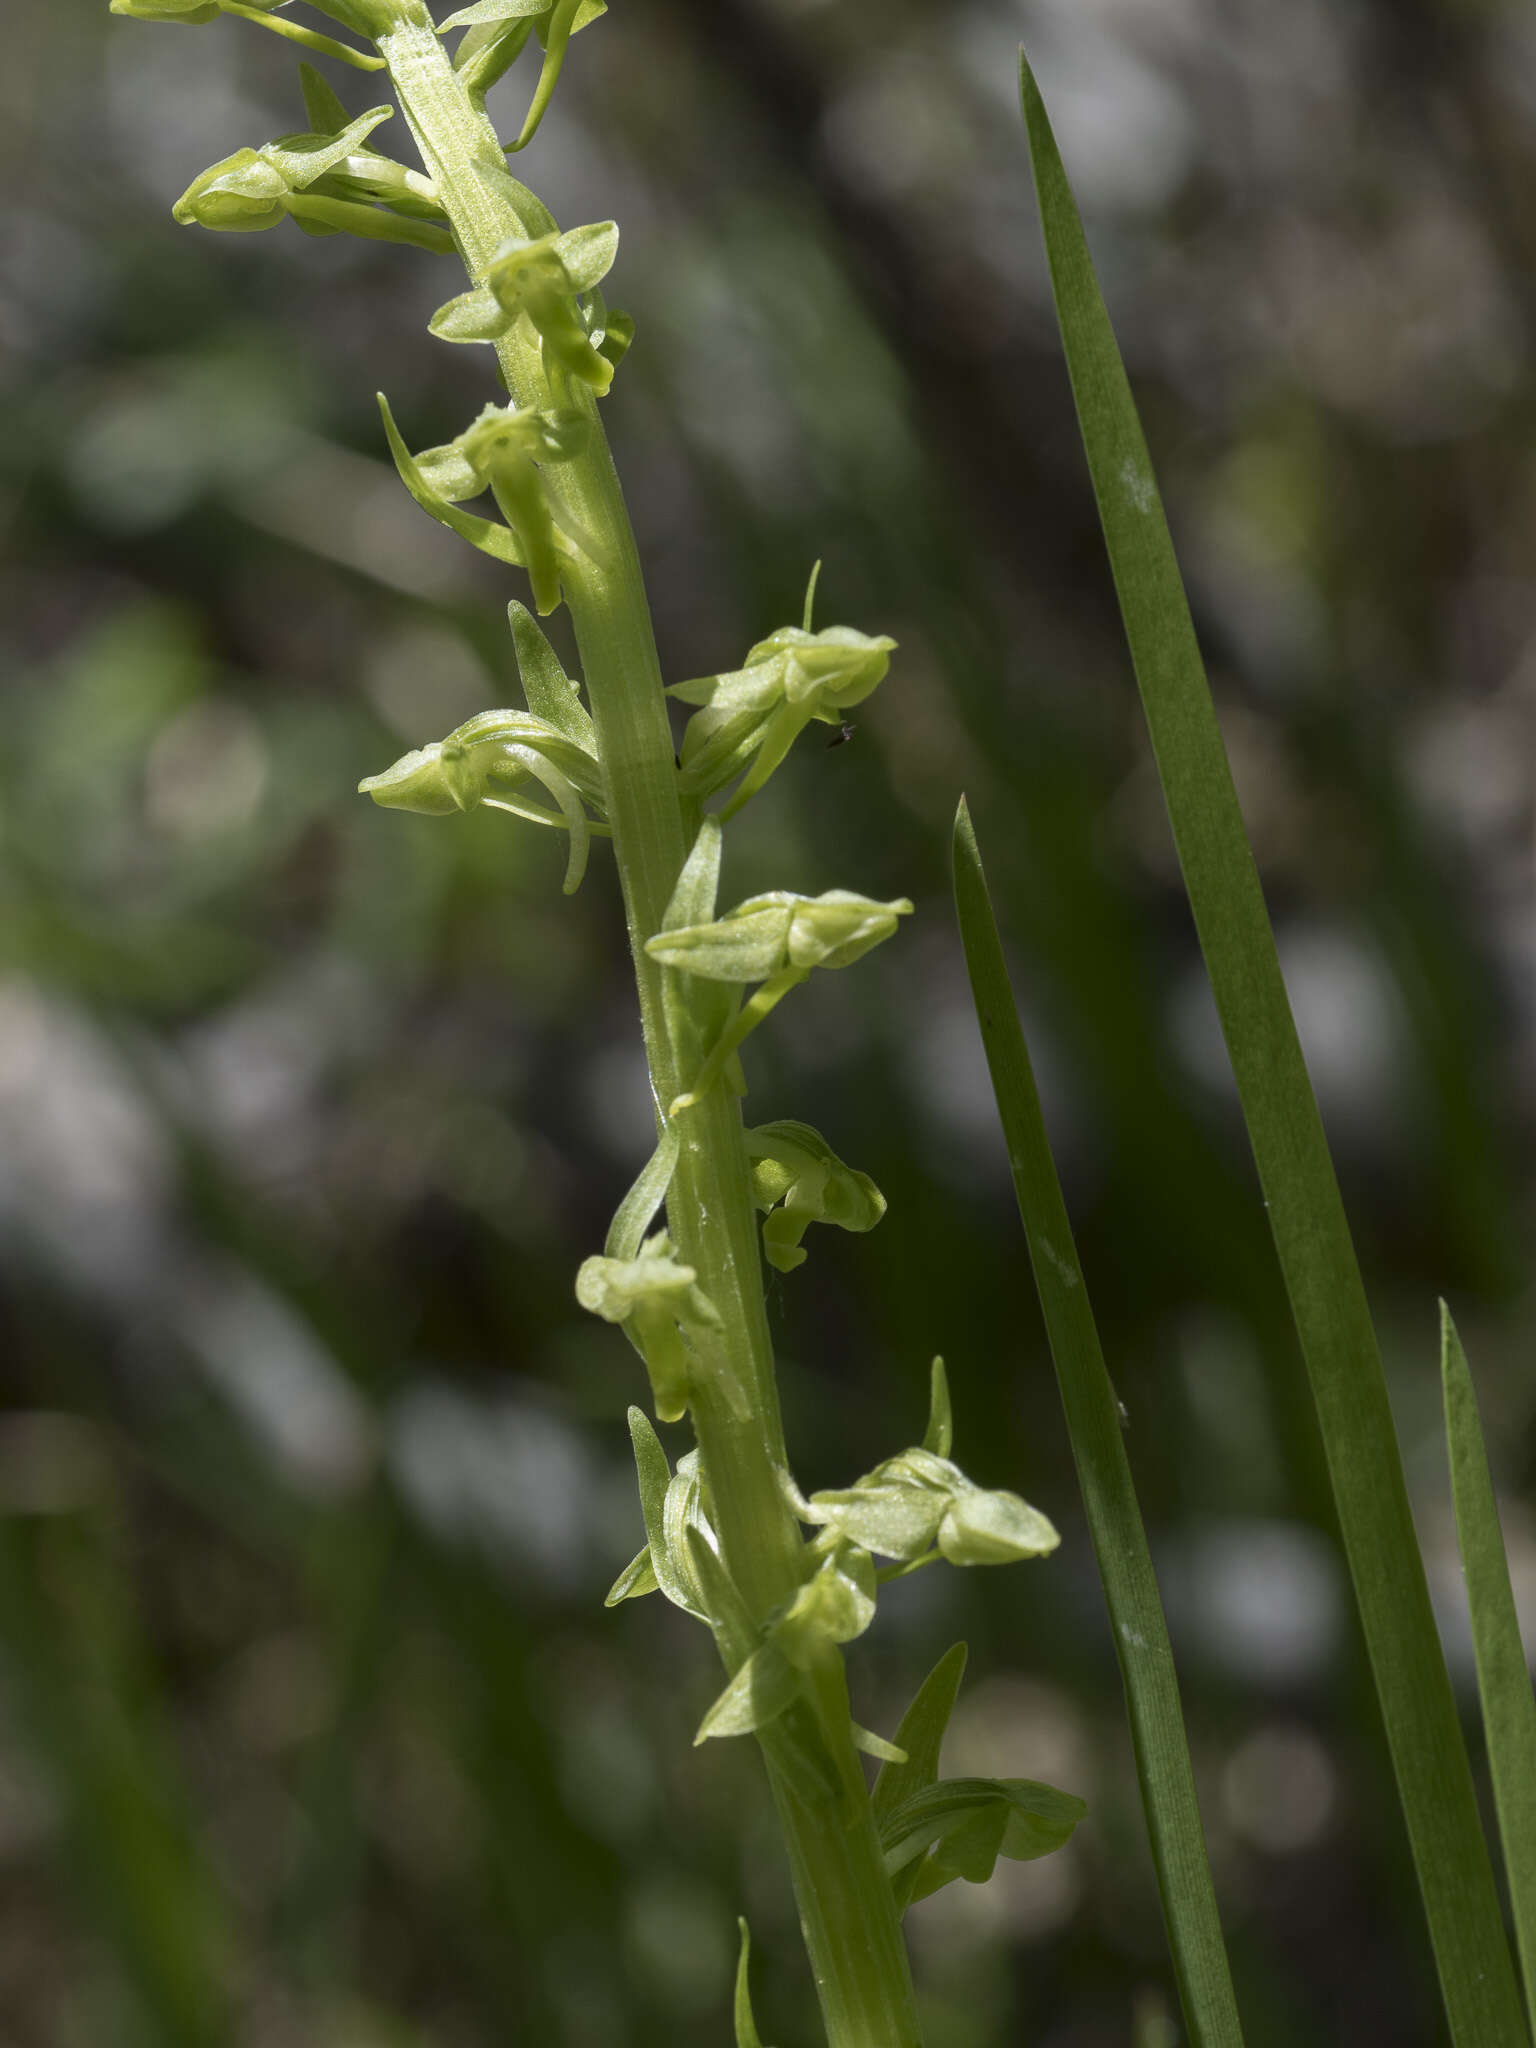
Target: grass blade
1104,1473
1503,1676
1306,1214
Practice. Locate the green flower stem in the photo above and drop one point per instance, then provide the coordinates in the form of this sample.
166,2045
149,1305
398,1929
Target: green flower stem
848,1912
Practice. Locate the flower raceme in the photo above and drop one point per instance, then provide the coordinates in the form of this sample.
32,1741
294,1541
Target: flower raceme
717,1528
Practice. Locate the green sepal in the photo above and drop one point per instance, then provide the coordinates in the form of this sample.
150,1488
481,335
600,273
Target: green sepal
939,1436
550,692
476,315
985,1525
636,1580
794,1166
747,2035
767,934
883,1512
960,1826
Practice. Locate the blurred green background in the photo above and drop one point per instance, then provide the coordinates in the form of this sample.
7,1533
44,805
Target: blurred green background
313,1730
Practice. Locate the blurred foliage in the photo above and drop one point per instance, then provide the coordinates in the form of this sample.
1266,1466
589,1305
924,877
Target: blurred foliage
312,1727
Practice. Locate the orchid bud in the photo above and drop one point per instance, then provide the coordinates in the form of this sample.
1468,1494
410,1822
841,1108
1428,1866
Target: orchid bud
768,934
240,194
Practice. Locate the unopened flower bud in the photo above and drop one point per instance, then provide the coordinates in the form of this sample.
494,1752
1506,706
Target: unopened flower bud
768,934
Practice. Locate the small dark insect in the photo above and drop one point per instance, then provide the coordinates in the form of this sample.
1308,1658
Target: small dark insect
842,736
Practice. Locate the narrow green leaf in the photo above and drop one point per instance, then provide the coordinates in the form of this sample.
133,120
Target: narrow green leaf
1306,1213
1503,1675
1104,1474
747,2035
